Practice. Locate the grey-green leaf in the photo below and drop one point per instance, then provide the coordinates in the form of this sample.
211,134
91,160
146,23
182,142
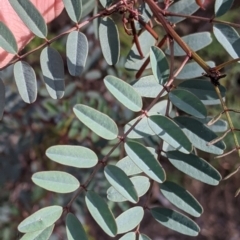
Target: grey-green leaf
109,40
195,167
41,219
182,7
129,219
159,65
39,235
74,9
26,82
124,93
199,135
222,6
193,70
181,198
2,98
101,213
120,181
188,102
31,17
56,181
98,122
148,87
204,90
75,156
170,132
87,7
144,237
134,61
195,41
145,160
175,221
105,3
229,38
140,183
74,228
53,72
7,39
128,236
76,51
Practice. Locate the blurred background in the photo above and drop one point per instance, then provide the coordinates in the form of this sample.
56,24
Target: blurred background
28,130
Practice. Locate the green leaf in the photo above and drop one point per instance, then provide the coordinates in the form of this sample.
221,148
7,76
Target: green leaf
109,40
144,237
128,166
105,3
140,183
74,9
74,156
182,7
188,102
193,70
134,61
2,98
159,65
120,181
195,167
219,126
195,41
229,38
124,93
87,7
26,82
128,236
41,219
98,122
31,17
145,160
39,235
56,181
175,221
181,198
74,228
199,135
101,213
76,51
129,219
148,87
222,6
204,90
53,72
170,132
7,39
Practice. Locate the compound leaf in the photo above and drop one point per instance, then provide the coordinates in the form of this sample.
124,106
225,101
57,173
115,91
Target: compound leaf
188,102
53,72
39,235
140,183
170,132
195,167
159,65
26,82
175,221
120,181
195,41
129,219
109,40
98,122
31,17
76,51
7,39
56,181
2,98
74,9
181,198
75,156
74,228
101,213
41,219
199,135
222,6
124,93
145,160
